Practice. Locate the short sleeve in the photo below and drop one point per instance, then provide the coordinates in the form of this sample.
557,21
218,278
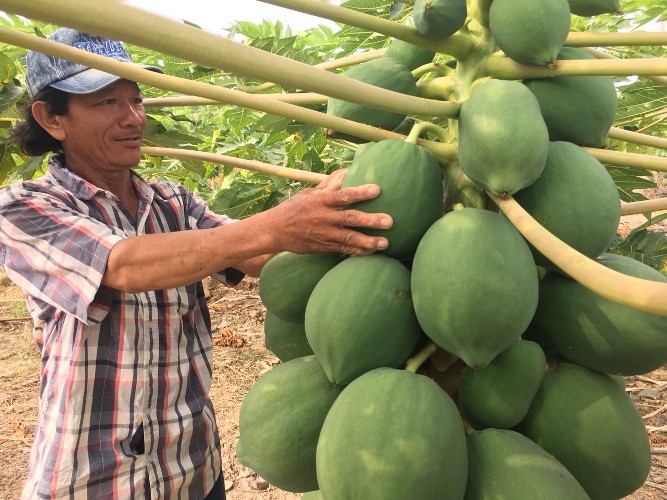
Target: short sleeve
202,217
53,250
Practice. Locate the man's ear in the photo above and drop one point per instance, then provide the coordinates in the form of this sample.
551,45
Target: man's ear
50,122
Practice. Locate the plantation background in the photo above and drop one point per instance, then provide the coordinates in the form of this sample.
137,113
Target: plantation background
249,134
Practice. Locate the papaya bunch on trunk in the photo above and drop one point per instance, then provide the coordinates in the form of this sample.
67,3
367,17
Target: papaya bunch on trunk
471,362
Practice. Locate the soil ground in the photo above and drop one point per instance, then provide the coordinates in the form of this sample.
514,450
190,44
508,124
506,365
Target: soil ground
240,358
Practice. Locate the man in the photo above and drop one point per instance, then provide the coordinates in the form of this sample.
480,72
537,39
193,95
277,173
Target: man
112,266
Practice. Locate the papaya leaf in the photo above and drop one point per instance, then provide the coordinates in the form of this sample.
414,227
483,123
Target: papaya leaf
628,180
649,247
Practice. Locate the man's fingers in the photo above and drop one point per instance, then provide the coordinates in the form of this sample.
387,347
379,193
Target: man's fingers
334,180
356,243
357,218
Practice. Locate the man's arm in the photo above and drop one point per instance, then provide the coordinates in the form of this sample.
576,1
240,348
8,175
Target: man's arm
315,220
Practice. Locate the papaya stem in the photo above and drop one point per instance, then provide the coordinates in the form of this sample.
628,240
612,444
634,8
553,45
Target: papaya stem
425,69
329,65
252,165
421,127
662,80
641,207
609,39
637,293
134,25
505,68
637,138
636,160
300,99
457,45
479,10
413,364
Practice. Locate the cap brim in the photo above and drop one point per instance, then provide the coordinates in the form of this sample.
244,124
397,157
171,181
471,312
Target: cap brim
92,79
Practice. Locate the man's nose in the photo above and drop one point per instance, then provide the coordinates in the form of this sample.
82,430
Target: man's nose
132,115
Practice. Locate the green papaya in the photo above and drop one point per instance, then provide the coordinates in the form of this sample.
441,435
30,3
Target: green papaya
392,434
280,421
412,191
383,72
503,140
438,19
408,54
474,284
598,333
313,495
505,464
530,32
576,199
287,280
285,339
589,8
577,109
500,394
360,316
588,422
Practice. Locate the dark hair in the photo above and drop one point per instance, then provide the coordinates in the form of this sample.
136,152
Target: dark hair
30,136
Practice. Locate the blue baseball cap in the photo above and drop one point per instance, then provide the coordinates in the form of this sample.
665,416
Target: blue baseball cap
43,70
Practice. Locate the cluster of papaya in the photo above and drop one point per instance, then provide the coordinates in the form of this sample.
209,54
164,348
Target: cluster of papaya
461,362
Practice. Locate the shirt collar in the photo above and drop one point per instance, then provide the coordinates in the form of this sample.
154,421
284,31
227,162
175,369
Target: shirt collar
85,190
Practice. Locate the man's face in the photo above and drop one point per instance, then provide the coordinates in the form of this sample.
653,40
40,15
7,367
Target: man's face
104,130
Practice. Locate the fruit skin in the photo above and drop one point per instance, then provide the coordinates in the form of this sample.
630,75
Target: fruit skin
360,317
588,8
313,495
576,199
497,148
578,109
412,191
383,72
408,54
438,19
280,421
505,464
284,339
500,394
287,280
598,333
588,422
530,32
392,434
474,284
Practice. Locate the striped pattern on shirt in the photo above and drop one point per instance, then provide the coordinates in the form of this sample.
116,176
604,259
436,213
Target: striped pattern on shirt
116,367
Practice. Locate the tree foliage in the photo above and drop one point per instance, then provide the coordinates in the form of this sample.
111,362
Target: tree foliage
250,134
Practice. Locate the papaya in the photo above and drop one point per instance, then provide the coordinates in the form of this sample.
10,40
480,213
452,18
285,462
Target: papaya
576,199
383,72
408,54
500,394
587,421
280,422
474,284
577,109
284,339
589,8
438,19
360,316
505,464
503,140
287,280
313,495
598,333
530,32
412,191
392,434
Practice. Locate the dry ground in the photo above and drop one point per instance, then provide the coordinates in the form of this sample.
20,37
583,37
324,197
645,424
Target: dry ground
240,358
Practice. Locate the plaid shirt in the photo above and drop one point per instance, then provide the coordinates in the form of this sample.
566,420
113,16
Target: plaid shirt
116,367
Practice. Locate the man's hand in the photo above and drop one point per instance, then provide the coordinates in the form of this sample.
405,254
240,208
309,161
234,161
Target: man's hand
318,219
